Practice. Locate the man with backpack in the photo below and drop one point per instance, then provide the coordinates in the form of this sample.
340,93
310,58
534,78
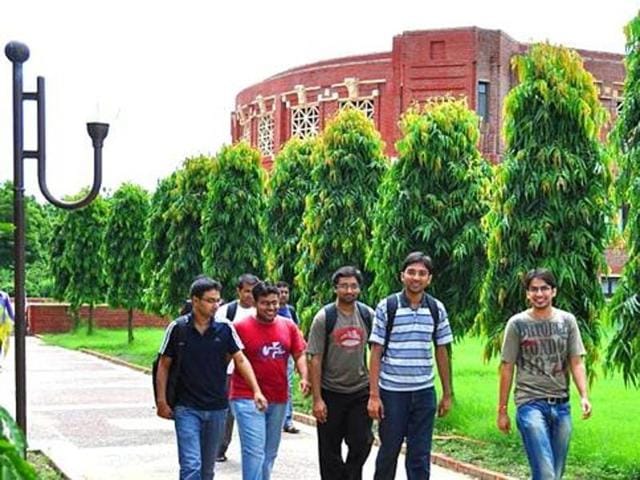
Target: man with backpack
193,357
236,310
339,378
410,329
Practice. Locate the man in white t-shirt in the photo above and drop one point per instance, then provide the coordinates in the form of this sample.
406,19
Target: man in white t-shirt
233,311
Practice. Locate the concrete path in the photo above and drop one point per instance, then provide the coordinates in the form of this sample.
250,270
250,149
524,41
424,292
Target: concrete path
96,420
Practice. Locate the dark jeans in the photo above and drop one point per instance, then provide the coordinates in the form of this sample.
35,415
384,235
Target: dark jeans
410,415
348,420
228,428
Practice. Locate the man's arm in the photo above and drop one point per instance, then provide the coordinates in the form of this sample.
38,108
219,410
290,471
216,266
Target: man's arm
301,366
442,362
506,379
164,410
243,367
315,374
375,407
580,379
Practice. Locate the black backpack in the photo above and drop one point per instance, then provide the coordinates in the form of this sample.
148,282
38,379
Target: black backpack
232,308
331,316
174,370
392,307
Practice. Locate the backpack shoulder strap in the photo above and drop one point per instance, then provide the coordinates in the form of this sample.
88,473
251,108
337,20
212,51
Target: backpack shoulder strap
365,314
330,318
232,308
435,314
392,307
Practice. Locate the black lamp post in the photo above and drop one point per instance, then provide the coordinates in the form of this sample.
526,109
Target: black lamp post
18,53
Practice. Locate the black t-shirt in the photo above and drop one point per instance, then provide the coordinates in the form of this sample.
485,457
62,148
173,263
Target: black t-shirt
202,377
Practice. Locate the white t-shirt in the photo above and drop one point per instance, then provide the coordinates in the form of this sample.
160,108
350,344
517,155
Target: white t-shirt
241,312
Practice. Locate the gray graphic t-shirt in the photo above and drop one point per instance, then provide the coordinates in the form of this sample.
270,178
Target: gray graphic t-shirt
541,350
344,369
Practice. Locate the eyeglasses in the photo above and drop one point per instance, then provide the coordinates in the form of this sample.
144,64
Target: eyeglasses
542,289
210,300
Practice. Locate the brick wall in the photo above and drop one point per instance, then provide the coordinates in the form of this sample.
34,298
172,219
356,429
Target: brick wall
55,317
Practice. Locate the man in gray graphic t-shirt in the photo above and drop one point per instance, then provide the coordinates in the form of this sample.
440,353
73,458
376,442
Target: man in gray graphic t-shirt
340,380
544,345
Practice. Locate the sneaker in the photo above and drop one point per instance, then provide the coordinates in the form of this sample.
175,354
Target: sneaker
291,429
221,458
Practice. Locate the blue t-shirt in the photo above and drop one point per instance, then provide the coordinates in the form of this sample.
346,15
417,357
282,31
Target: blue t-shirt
203,369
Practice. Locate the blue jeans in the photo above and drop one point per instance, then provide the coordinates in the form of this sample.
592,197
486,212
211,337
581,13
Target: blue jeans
259,437
288,419
198,433
407,415
545,429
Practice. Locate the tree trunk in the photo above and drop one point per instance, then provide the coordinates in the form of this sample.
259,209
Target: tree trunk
90,323
130,324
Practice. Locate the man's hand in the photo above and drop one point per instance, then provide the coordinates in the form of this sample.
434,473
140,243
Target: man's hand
320,410
586,407
503,422
444,406
305,387
261,401
375,408
164,410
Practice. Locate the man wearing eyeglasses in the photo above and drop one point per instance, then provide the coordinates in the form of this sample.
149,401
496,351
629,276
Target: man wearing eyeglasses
201,348
340,379
545,344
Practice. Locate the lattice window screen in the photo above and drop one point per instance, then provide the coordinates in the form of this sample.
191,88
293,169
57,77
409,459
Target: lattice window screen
305,121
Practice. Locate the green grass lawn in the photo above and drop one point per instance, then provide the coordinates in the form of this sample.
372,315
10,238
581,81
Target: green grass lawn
607,446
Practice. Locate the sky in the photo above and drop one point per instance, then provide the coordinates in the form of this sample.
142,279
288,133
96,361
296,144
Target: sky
165,74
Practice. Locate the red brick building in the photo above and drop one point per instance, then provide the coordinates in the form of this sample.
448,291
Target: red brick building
470,62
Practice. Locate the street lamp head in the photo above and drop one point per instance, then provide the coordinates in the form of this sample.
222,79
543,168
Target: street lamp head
17,52
97,131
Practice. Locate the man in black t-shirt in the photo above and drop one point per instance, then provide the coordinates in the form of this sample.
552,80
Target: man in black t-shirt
205,347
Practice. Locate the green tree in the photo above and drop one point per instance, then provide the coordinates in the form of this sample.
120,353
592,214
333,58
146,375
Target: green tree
82,233
550,207
184,240
624,310
124,240
232,224
38,230
348,165
154,254
287,188
432,200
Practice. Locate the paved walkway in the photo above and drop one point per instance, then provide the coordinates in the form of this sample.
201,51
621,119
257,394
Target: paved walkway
96,420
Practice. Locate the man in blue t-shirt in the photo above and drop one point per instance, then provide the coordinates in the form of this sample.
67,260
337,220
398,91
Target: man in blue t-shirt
204,347
286,310
401,392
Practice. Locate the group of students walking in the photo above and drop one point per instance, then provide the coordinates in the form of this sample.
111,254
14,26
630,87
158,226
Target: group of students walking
236,362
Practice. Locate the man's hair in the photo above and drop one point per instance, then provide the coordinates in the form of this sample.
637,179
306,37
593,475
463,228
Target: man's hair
345,272
543,274
262,289
282,284
203,284
247,279
418,257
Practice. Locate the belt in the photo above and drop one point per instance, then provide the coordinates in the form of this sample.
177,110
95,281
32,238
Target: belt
554,400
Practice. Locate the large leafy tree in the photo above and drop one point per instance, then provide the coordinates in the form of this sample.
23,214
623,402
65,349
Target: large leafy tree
348,165
232,216
624,310
289,184
432,200
154,254
183,235
550,206
124,240
38,229
82,261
